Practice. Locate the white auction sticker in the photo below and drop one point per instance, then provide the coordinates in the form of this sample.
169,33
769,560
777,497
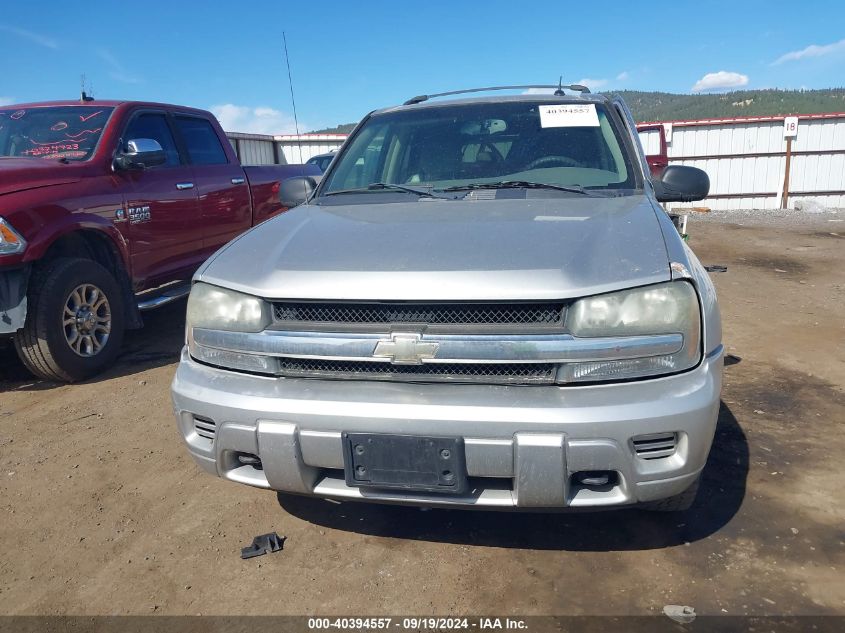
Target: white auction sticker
569,115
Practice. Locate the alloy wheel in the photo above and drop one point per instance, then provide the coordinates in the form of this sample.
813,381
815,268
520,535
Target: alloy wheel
87,320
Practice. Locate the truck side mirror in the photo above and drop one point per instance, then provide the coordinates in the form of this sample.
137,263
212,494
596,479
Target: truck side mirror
140,153
294,191
681,183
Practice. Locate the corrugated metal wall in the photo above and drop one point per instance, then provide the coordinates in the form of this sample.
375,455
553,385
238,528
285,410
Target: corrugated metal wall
258,149
651,141
255,152
746,159
309,145
824,170
255,149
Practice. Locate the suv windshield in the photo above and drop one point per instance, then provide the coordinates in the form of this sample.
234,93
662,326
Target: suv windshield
68,132
494,144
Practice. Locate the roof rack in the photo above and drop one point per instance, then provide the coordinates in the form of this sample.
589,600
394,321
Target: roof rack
558,91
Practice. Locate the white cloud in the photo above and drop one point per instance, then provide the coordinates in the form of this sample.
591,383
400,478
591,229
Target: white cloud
722,80
592,84
117,71
41,40
6,100
814,50
623,76
258,120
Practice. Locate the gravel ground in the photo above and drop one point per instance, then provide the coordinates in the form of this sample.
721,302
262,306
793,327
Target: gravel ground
834,219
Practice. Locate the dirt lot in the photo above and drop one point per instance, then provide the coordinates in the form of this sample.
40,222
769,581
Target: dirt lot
105,513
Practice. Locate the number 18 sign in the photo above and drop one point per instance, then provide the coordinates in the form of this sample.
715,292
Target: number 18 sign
790,127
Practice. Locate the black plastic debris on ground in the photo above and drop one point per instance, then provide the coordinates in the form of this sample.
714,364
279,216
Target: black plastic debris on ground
716,268
264,544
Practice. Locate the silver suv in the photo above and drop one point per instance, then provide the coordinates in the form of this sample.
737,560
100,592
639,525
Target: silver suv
482,304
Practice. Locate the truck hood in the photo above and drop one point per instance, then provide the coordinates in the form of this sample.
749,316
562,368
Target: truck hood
437,250
20,174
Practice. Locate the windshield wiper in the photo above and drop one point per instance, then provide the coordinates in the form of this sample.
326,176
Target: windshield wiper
417,190
518,184
380,186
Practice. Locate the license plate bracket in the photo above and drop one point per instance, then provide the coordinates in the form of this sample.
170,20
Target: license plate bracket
405,462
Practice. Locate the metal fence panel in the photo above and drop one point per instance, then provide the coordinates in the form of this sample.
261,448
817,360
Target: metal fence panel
746,159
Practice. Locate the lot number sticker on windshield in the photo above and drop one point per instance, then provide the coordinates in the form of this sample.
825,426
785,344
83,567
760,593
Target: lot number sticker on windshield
569,115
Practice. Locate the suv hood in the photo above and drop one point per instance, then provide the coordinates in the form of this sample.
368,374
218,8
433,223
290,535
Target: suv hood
20,174
436,250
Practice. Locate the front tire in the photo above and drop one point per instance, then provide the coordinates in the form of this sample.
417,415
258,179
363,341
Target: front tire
74,323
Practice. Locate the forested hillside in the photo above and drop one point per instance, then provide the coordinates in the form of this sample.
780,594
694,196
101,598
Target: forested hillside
343,128
666,106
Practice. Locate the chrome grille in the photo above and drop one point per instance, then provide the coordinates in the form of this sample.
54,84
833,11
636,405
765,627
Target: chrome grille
524,314
487,373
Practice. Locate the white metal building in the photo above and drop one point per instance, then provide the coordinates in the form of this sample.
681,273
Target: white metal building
284,149
310,145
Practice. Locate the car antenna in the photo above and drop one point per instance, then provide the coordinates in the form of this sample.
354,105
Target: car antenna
293,101
84,97
559,92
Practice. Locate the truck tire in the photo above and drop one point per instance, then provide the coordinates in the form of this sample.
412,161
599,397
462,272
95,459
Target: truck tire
74,323
678,503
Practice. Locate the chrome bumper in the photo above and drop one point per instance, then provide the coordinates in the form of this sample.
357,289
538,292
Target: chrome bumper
522,444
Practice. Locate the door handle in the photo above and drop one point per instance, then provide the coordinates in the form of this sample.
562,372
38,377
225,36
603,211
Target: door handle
237,181
184,185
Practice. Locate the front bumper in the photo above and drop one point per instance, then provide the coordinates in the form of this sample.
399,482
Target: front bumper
523,444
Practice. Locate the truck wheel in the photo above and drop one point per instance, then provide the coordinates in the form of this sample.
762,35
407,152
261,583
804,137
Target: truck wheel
74,322
678,503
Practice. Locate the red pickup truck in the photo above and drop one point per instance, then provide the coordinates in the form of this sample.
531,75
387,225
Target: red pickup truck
106,209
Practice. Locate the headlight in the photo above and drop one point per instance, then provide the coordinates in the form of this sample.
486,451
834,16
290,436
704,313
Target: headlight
11,241
214,308
669,308
217,308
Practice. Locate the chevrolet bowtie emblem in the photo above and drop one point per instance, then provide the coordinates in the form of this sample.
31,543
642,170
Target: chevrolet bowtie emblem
405,349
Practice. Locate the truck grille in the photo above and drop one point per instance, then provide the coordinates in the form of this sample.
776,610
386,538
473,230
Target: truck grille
522,314
487,373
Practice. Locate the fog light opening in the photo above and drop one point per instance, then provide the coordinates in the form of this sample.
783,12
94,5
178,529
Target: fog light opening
248,459
596,478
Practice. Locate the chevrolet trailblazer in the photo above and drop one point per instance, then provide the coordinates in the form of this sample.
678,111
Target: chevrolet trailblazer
482,304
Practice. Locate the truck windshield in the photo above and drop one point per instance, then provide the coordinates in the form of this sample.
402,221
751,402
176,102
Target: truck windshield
487,144
67,132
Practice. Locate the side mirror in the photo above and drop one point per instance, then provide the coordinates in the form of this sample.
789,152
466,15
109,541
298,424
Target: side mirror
680,183
294,191
140,153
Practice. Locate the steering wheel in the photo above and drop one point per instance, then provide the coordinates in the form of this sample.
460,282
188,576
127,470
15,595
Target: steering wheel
547,161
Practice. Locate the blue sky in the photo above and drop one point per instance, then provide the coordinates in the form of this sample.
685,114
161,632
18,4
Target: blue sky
350,57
